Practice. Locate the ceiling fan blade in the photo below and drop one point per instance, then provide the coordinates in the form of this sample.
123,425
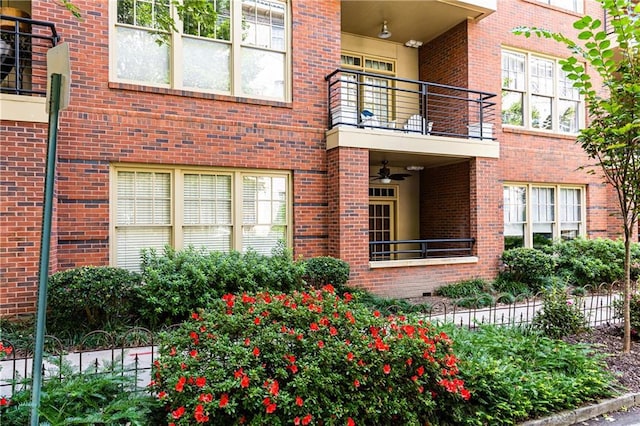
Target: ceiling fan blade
399,176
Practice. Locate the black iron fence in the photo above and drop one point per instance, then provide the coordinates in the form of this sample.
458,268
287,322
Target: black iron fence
23,54
379,101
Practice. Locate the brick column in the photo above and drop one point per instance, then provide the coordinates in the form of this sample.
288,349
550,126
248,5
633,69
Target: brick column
348,194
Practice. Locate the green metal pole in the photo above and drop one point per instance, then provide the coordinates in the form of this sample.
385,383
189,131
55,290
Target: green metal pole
45,243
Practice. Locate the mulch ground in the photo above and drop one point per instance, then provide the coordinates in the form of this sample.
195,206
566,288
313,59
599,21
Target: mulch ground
607,340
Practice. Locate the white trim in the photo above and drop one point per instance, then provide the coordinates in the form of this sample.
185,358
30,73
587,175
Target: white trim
422,262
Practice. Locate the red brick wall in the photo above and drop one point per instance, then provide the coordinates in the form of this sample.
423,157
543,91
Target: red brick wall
116,123
444,202
22,179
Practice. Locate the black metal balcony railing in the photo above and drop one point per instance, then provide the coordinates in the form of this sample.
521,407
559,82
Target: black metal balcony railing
377,101
23,54
420,249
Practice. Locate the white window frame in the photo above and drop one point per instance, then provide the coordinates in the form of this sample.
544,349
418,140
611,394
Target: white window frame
558,206
557,93
576,6
177,210
237,46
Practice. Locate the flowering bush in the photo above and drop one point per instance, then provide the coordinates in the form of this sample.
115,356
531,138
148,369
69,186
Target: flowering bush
305,358
4,352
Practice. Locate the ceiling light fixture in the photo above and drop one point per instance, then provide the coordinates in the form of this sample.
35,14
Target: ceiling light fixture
414,168
413,43
385,180
384,31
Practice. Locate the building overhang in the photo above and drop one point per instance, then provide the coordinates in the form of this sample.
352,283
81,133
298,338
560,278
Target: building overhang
398,141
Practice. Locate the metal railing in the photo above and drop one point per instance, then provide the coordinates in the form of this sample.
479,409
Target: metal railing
23,54
420,249
377,101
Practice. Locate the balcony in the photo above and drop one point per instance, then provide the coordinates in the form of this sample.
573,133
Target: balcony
23,53
386,113
420,249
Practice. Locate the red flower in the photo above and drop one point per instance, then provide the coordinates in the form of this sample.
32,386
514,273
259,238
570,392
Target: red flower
195,316
420,370
320,344
180,385
274,388
205,397
193,353
271,408
256,351
376,314
176,414
350,422
386,369
314,326
333,331
3,401
465,394
245,381
329,288
224,400
199,414
293,368
307,419
161,395
238,373
256,321
350,356
348,297
299,401
173,351
201,381
356,383
296,421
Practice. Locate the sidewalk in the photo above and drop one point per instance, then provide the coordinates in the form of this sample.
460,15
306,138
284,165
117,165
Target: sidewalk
583,414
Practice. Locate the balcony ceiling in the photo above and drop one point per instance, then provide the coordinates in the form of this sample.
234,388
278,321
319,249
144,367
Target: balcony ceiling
421,20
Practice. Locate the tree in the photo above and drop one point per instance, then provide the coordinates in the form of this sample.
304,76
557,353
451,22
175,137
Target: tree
612,137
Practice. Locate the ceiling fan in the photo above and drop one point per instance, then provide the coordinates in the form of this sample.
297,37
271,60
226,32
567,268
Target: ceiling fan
385,176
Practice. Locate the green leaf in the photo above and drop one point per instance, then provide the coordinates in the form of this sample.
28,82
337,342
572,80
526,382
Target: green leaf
585,35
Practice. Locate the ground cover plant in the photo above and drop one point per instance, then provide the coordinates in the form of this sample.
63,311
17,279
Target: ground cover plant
105,397
305,358
519,374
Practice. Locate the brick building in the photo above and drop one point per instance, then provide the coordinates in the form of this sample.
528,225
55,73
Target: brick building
414,140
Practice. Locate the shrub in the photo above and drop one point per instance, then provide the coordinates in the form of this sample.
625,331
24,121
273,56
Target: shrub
96,297
106,397
466,288
323,270
520,375
504,284
593,262
527,265
302,358
386,304
559,316
634,310
177,283
482,300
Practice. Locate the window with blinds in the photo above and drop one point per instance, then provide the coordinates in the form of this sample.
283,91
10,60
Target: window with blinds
143,215
213,210
536,215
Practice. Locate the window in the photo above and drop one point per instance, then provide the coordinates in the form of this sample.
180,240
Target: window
376,92
536,215
217,210
537,94
572,5
245,53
